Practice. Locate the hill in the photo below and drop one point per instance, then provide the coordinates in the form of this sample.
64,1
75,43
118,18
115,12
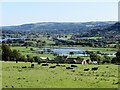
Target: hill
59,26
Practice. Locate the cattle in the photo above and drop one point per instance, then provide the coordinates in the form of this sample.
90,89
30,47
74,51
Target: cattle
38,62
73,66
107,67
52,66
44,64
69,68
117,83
32,65
86,69
57,65
24,67
95,68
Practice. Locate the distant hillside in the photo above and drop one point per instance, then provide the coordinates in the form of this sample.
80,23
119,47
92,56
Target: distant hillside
115,27
55,26
110,31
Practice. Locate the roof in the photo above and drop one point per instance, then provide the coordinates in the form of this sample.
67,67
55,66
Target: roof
45,58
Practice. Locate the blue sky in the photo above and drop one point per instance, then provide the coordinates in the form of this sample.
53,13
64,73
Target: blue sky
14,13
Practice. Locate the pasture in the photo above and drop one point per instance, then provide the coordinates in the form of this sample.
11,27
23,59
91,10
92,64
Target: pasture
21,75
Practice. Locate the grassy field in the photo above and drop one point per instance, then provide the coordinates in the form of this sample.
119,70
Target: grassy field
45,39
44,77
27,51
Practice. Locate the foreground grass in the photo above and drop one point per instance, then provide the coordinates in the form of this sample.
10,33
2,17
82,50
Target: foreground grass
44,77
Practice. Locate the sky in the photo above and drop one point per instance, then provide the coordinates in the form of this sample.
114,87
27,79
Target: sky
17,13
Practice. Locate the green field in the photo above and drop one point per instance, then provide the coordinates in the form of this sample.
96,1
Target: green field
45,39
13,75
27,51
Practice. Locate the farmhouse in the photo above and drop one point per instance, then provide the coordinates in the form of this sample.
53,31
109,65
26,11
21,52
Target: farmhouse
76,60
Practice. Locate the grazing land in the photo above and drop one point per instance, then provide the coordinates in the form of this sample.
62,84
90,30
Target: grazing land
16,75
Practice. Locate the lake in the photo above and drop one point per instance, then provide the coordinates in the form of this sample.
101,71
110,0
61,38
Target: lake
67,50
77,52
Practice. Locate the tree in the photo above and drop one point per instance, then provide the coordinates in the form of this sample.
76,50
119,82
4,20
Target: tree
60,59
22,58
87,52
118,56
36,58
16,55
113,61
84,53
106,59
94,57
30,59
31,49
6,52
71,53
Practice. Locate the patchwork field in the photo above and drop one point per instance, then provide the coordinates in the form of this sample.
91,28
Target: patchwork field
16,75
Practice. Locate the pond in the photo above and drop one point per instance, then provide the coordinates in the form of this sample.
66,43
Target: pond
76,51
67,50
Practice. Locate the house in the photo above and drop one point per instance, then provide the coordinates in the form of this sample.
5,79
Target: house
76,60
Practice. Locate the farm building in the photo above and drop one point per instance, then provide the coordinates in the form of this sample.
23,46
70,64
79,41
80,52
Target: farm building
76,60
